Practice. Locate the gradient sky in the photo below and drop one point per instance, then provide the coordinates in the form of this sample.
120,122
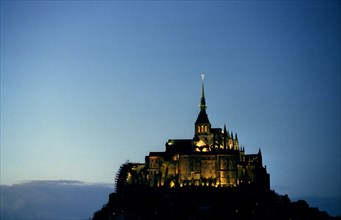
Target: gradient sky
86,86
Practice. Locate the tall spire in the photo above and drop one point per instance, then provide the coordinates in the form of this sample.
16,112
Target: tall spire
202,117
202,101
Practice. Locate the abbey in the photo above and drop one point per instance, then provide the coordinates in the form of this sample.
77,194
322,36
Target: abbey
206,177
212,158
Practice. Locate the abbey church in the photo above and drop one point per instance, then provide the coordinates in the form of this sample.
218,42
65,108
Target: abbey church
212,158
206,177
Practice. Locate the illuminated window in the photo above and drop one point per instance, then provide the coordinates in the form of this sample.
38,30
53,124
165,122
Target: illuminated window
198,129
202,128
205,128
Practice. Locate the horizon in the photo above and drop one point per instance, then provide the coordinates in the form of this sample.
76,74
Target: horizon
100,191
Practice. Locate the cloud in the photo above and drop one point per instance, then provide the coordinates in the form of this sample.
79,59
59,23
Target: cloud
52,200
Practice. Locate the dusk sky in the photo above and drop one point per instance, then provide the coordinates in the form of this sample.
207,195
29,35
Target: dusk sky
86,86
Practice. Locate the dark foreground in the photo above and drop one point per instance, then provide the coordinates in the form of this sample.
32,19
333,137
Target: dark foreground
205,203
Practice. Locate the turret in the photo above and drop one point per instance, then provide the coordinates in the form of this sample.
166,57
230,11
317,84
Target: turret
260,156
235,142
225,137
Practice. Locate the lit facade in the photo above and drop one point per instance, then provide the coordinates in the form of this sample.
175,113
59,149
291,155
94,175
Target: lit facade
212,158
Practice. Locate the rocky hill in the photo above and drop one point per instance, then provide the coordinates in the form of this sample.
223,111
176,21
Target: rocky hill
137,202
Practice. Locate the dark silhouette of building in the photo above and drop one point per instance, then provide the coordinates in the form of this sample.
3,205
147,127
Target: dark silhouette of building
207,177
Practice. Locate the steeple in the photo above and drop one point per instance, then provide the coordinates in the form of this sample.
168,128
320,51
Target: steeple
202,101
202,124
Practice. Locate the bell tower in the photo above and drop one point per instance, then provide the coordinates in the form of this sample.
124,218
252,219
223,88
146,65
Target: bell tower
202,124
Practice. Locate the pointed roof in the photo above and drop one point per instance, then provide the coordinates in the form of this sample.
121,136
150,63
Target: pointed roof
202,117
259,152
203,105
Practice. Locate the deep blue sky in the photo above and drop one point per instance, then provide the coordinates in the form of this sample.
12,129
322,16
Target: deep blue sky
86,86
